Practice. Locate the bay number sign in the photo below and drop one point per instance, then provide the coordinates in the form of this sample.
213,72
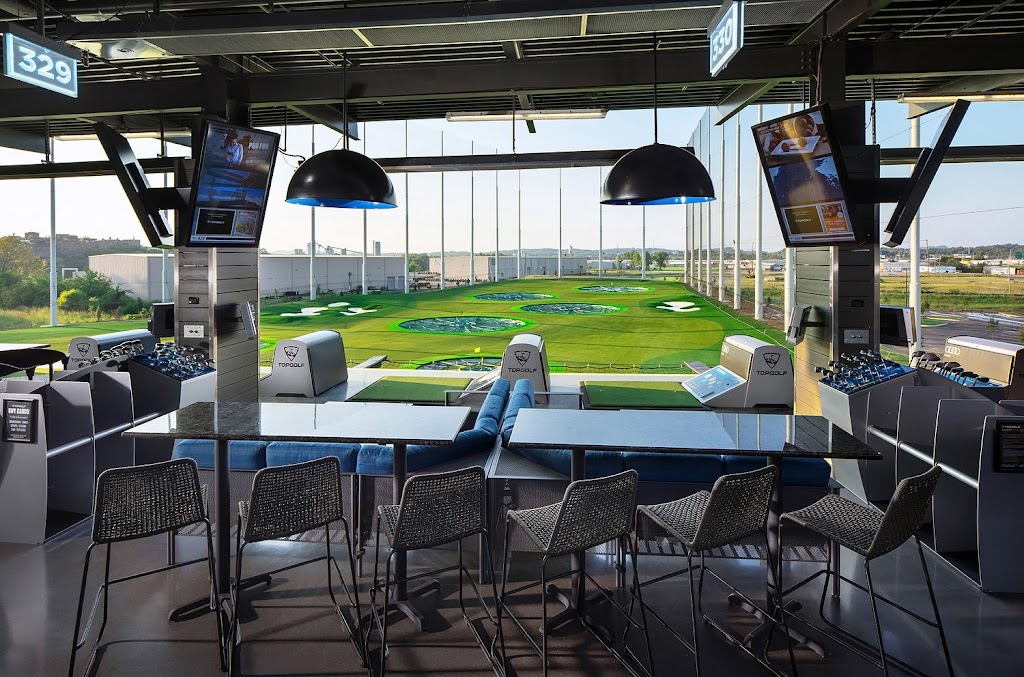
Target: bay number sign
726,35
39,61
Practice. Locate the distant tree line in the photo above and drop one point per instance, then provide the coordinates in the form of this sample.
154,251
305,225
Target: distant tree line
25,283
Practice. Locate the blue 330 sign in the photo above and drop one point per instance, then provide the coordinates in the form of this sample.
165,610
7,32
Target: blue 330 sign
726,35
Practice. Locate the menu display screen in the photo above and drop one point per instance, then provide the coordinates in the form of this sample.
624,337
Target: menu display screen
1009,456
805,176
231,185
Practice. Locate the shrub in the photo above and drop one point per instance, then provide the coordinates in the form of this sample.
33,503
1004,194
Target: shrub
73,299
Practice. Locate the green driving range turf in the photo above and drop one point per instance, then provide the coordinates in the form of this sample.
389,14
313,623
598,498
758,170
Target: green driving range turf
655,331
417,389
638,395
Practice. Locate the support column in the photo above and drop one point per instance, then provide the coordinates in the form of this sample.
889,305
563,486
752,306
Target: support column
721,228
519,219
497,226
559,223
737,298
312,225
472,226
442,216
758,244
708,291
787,283
405,177
643,243
600,226
915,250
698,210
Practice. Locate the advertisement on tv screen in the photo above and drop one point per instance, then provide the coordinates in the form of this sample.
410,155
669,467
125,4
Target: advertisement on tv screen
805,180
230,189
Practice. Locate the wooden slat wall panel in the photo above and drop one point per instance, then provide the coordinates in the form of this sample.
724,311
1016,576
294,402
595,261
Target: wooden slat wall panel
813,279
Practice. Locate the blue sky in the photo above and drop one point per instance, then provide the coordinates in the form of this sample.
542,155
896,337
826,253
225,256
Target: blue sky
967,205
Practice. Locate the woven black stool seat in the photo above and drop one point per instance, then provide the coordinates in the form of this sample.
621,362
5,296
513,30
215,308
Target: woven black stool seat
389,520
680,518
288,500
872,534
847,523
538,523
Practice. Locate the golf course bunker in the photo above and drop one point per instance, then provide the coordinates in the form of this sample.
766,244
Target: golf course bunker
513,296
571,309
469,324
463,364
613,289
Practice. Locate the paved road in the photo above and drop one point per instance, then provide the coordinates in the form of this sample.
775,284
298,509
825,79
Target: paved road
1008,328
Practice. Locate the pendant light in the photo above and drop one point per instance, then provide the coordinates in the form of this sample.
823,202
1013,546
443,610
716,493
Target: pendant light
342,178
657,174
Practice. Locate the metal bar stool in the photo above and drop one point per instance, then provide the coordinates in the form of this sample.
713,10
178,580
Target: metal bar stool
872,534
436,508
592,512
136,502
288,500
735,508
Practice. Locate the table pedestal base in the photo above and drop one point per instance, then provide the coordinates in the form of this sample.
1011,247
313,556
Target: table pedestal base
405,605
200,606
760,635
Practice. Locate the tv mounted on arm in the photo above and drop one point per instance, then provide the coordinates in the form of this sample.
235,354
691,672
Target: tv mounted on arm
814,196
230,184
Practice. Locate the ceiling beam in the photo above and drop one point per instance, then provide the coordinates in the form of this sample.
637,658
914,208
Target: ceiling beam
741,97
462,81
329,116
970,84
838,19
391,14
18,140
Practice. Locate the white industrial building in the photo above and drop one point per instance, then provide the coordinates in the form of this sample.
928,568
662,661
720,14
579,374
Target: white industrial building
140,274
457,267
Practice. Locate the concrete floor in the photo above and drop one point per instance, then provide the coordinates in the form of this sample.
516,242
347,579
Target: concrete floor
290,629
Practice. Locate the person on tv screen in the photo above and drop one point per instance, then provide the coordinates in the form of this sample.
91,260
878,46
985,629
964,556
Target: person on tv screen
231,148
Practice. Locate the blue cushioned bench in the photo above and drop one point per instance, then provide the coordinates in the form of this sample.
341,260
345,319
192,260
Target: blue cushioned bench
242,454
377,459
690,468
289,453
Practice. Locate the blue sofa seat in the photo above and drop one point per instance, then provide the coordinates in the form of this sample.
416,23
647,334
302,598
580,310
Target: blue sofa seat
378,459
288,453
694,468
796,472
242,454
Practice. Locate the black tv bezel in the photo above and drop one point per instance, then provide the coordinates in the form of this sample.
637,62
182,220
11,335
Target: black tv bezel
924,173
130,173
910,338
186,229
859,234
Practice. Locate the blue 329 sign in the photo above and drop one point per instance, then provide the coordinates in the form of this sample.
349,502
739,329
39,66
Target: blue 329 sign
39,61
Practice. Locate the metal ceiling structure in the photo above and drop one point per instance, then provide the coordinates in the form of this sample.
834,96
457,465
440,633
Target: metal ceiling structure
414,59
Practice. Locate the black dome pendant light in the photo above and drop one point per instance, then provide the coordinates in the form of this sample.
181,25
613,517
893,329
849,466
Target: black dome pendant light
342,178
657,174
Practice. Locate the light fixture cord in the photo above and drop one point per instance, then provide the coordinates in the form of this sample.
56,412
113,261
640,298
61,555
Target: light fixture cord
344,99
655,88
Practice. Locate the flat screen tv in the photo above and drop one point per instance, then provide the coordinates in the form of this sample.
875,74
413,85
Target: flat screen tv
230,186
924,172
806,178
896,326
136,186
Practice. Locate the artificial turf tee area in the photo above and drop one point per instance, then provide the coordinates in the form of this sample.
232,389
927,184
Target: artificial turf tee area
656,330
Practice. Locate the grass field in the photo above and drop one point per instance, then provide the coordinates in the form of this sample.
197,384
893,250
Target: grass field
639,337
